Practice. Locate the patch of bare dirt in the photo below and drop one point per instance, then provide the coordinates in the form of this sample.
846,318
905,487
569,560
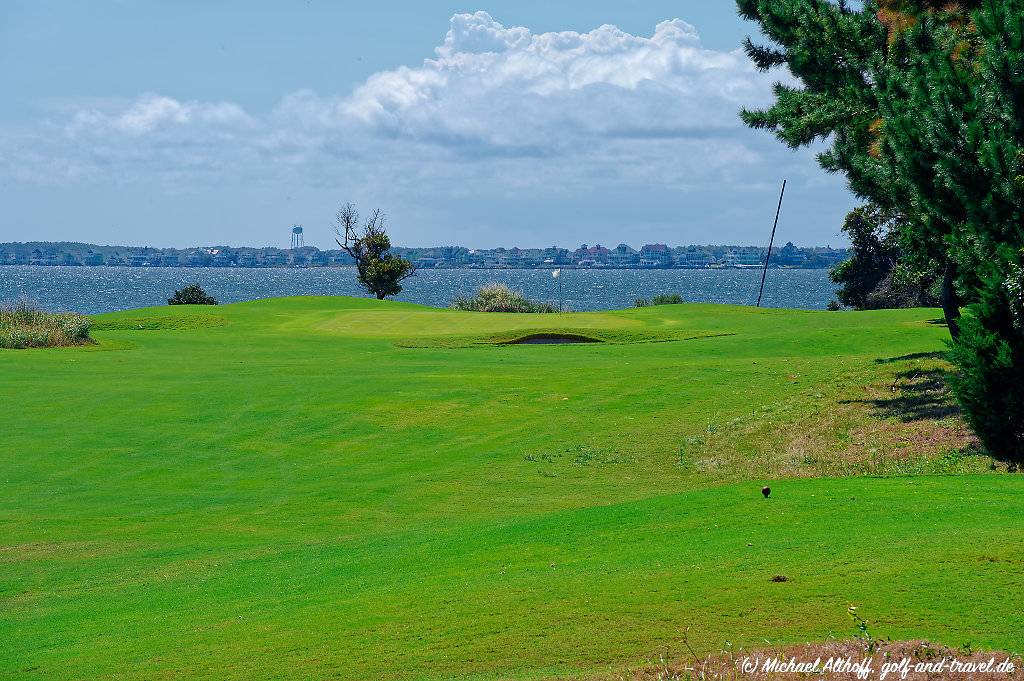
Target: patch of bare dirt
854,660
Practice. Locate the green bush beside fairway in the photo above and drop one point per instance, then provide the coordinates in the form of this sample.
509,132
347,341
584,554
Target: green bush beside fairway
25,326
497,297
294,492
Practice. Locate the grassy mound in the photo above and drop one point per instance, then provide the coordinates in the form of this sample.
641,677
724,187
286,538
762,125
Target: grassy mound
289,494
24,326
152,322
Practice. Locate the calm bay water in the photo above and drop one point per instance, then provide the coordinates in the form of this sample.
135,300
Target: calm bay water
92,290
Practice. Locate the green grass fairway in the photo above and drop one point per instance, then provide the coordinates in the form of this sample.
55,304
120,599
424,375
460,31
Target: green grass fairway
343,488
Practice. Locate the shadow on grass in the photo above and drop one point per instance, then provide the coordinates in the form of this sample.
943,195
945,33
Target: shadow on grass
906,358
917,395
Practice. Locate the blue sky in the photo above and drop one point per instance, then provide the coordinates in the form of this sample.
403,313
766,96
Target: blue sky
499,123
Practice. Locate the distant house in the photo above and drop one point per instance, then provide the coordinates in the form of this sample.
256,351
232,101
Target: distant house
655,255
694,258
748,256
511,258
789,256
275,258
453,255
195,260
623,255
599,254
340,258
825,257
556,256
93,259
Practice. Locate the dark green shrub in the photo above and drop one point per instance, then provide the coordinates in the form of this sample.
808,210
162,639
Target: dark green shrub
882,274
193,294
989,360
25,326
667,299
641,302
833,306
499,298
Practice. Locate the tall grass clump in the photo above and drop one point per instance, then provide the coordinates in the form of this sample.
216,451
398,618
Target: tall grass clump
660,299
24,326
499,298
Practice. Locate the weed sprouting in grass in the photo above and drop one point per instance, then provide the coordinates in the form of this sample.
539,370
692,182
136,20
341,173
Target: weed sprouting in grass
582,455
870,643
690,446
24,325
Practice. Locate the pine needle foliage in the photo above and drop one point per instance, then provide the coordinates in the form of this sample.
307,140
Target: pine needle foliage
921,104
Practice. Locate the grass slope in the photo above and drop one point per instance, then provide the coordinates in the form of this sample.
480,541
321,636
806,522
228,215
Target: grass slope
333,487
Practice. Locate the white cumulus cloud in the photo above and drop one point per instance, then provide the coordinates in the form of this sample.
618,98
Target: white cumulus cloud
499,87
151,112
495,108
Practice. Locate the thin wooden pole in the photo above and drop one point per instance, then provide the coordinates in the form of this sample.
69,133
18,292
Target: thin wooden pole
771,243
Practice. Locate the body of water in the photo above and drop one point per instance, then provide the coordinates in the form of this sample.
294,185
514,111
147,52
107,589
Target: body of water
91,290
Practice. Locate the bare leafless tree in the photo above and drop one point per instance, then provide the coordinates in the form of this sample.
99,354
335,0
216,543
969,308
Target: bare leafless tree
379,271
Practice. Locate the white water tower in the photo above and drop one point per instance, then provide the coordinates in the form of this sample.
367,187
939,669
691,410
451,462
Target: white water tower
297,240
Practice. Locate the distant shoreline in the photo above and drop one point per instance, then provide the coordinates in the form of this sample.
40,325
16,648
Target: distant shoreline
597,257
771,266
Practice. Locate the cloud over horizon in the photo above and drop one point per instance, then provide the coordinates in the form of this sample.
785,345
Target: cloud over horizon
490,91
496,111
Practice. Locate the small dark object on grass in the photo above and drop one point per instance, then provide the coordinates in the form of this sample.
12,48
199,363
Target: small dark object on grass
766,491
193,294
780,578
